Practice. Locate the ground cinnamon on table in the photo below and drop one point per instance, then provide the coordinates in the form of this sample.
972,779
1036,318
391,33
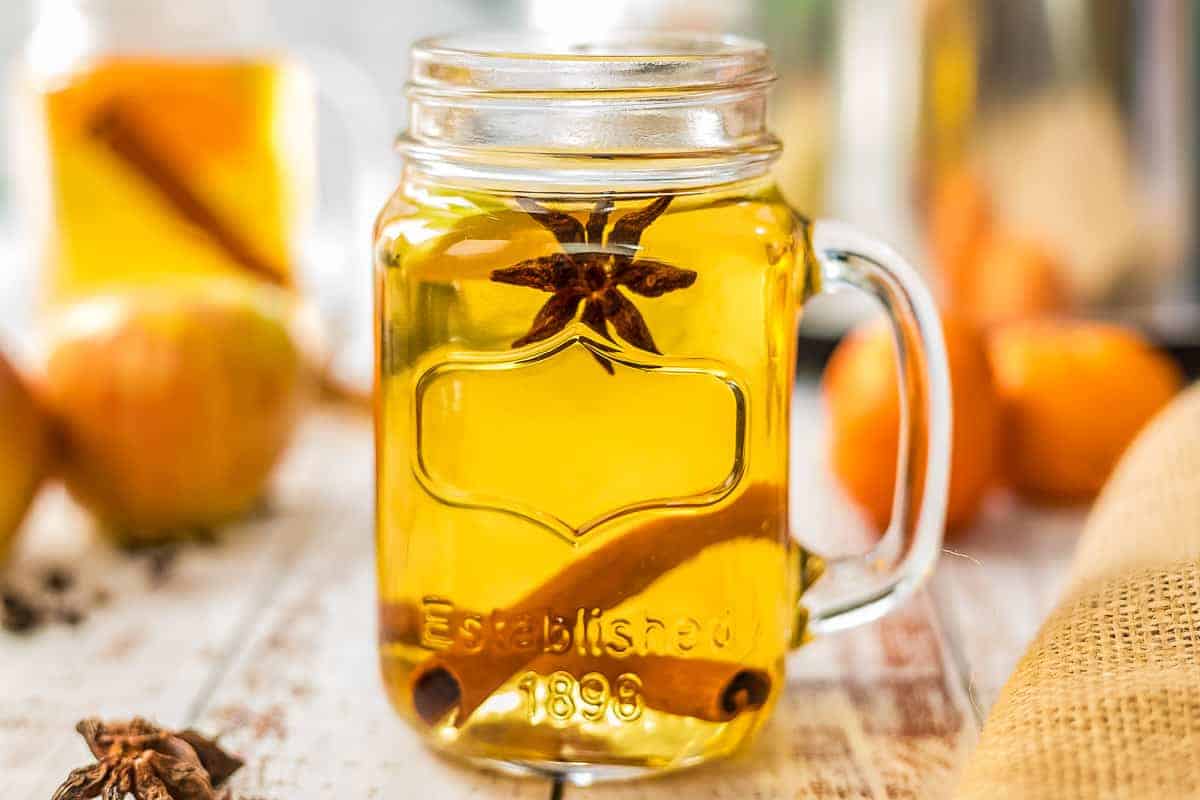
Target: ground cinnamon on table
612,573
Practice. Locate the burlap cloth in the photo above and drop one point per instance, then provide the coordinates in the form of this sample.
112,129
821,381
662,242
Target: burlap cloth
1106,702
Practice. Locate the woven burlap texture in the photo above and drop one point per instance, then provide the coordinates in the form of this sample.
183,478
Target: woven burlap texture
1105,705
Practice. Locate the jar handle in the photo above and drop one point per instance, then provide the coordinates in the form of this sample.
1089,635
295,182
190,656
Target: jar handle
867,587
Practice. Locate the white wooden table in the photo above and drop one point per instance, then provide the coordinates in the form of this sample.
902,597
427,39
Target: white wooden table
269,639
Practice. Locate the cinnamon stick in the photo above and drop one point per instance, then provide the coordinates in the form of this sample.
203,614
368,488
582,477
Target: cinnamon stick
114,126
612,573
716,691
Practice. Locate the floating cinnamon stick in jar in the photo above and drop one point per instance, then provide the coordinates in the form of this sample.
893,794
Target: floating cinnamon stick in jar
604,578
114,125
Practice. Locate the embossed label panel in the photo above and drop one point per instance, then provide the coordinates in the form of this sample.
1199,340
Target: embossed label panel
558,440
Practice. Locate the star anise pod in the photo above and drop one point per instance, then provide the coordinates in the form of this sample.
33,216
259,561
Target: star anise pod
590,270
151,763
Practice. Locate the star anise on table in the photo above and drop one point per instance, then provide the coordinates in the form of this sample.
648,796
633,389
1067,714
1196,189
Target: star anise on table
151,763
590,271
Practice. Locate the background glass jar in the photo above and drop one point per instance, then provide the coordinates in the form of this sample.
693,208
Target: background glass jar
158,135
171,146
587,296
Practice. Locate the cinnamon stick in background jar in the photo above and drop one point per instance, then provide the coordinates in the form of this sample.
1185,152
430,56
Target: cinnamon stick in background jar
603,579
114,125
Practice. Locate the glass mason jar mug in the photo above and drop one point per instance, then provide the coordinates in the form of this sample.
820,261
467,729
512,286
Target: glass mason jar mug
587,297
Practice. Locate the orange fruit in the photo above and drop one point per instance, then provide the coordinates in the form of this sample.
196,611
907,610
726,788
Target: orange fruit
174,407
862,392
1074,396
25,452
960,218
988,276
1012,280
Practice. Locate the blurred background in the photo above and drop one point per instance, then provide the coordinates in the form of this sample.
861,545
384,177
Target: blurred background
1035,158
1075,118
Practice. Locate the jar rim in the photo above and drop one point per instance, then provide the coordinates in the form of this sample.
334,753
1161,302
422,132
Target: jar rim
632,108
617,61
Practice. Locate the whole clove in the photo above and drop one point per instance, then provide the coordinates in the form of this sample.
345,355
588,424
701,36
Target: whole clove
17,613
51,598
58,580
